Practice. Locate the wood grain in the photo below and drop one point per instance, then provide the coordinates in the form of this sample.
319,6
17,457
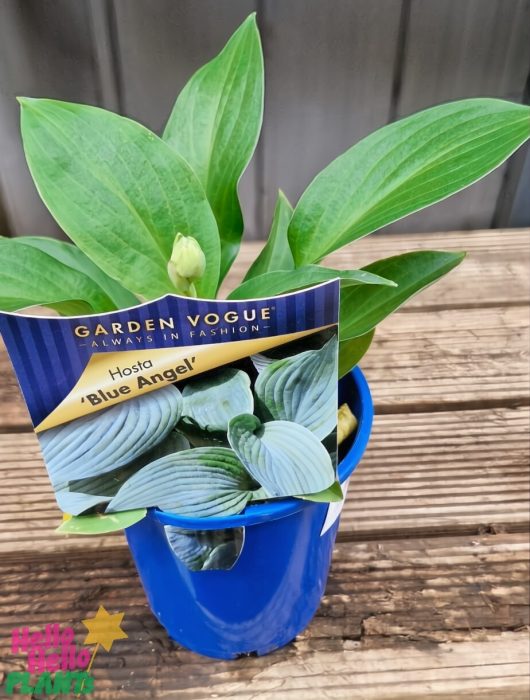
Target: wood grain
418,362
450,358
421,602
405,619
442,472
444,348
423,474
494,272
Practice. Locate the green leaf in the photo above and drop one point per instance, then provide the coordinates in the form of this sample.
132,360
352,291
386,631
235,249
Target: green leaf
111,438
211,401
362,308
281,281
276,255
402,168
73,257
284,457
215,125
119,192
303,389
201,482
100,524
351,351
333,494
30,277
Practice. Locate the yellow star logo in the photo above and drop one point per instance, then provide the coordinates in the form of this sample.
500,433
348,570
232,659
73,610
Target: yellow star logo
104,628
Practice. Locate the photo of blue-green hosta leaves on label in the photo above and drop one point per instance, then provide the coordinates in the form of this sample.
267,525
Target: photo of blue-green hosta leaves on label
201,482
272,452
209,446
102,441
302,389
211,402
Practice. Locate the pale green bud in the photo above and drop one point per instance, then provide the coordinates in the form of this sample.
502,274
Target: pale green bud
186,265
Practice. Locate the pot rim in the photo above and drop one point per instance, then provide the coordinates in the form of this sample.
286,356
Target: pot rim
262,512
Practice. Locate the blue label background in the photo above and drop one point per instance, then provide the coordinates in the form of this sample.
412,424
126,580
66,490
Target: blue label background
49,359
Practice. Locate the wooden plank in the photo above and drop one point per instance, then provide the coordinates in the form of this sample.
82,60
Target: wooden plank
457,49
420,362
159,50
495,271
406,619
446,340
45,51
455,342
329,81
423,474
449,358
448,472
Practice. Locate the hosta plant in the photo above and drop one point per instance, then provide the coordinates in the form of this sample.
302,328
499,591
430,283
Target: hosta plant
152,214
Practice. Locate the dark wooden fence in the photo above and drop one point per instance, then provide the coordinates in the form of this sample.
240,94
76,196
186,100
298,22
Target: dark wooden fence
336,70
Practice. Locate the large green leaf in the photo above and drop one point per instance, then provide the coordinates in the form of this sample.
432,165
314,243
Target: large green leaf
73,257
30,277
404,167
215,125
362,308
119,192
113,437
211,401
303,389
351,351
284,457
276,255
281,281
201,482
100,524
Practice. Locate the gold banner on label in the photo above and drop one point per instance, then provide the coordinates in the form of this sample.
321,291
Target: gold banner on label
112,377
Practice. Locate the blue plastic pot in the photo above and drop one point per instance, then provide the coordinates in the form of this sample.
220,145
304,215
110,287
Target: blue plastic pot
272,592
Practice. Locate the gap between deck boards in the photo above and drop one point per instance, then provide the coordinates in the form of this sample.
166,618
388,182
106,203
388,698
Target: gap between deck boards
429,308
109,552
382,409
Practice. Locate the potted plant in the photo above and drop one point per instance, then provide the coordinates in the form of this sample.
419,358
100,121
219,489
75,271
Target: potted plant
152,216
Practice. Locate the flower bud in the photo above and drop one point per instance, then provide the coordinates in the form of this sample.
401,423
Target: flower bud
187,264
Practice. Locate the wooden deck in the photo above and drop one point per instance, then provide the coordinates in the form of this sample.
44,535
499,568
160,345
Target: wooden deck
428,592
